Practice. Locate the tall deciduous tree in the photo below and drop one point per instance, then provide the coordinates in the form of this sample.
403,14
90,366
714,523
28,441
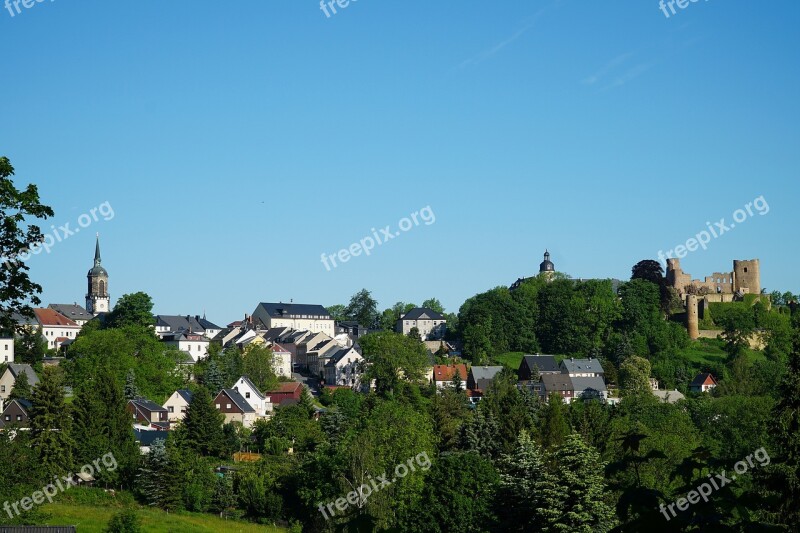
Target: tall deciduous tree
19,234
132,310
257,364
391,357
434,305
363,308
634,376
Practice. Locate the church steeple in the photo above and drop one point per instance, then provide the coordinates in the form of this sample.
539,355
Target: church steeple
97,298
547,266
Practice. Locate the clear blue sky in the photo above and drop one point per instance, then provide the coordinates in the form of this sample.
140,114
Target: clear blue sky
238,141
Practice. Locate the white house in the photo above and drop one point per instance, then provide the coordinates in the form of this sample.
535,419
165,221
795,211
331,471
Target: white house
282,361
166,324
248,390
194,344
314,318
9,377
582,368
6,350
55,327
343,368
430,324
177,404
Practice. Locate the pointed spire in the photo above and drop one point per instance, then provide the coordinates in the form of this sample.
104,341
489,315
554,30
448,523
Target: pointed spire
97,260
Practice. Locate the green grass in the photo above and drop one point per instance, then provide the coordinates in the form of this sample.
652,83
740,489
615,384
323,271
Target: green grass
510,359
710,351
93,519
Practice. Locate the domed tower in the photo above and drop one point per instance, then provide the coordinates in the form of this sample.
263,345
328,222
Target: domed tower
97,299
547,267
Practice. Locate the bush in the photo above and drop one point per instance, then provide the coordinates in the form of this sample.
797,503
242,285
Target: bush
124,522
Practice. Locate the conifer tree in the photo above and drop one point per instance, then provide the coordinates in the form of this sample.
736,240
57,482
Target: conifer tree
21,389
51,431
555,423
131,390
203,425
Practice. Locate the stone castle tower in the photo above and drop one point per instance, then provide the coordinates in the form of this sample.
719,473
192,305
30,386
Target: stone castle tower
97,299
747,276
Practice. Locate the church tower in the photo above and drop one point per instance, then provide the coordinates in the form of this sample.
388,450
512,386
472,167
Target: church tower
97,299
547,267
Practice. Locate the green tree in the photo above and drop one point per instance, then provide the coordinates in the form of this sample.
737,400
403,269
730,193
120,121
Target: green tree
20,210
21,389
224,498
338,312
158,481
528,490
363,308
126,521
584,505
458,383
391,357
51,428
203,425
634,376
738,323
258,365
434,305
555,427
30,347
132,310
449,410
131,390
213,379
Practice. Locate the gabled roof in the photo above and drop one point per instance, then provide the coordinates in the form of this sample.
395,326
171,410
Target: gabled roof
579,385
422,313
579,366
339,355
287,387
545,363
176,322
448,372
282,310
144,403
17,368
278,348
703,379
238,399
556,382
50,317
25,405
185,394
485,372
668,396
72,311
252,386
23,320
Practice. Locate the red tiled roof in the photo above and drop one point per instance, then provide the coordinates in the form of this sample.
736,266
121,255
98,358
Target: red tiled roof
278,348
49,317
448,372
287,387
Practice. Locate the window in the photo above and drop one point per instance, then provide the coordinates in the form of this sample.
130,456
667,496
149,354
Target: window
247,395
228,406
2,388
8,418
171,409
217,406
19,418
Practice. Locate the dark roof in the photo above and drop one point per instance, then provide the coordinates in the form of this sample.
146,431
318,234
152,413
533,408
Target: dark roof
186,395
16,369
275,310
185,323
239,400
484,372
23,320
556,382
422,313
545,363
576,366
252,386
338,356
701,379
72,311
580,385
146,438
144,403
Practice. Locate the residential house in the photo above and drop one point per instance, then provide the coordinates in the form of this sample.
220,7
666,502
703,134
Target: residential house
443,375
165,324
281,361
194,344
582,368
9,377
480,377
343,368
6,350
74,312
435,347
55,327
147,413
430,324
560,384
589,388
261,403
318,355
314,318
177,404
703,383
306,343
537,364
146,437
235,408
669,396
287,392
15,413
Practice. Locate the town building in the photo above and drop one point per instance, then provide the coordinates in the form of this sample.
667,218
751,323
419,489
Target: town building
430,324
